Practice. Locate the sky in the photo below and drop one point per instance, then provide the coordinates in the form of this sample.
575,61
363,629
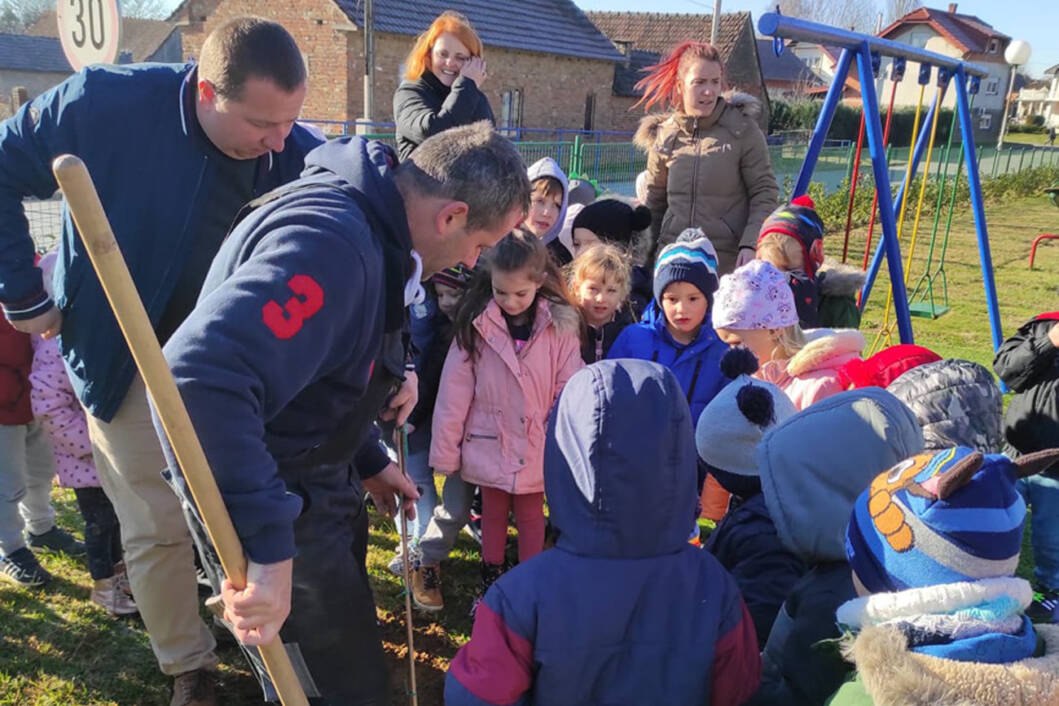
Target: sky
1020,19
1029,20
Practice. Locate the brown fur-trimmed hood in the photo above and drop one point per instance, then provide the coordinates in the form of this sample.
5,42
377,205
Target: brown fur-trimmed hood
739,108
837,279
893,675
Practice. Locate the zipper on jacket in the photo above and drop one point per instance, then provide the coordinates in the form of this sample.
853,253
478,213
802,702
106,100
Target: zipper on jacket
694,379
482,437
695,173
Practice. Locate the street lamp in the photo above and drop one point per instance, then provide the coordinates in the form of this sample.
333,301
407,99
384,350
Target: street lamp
1017,54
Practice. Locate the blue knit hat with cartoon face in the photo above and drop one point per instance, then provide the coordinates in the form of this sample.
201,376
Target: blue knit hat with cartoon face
941,517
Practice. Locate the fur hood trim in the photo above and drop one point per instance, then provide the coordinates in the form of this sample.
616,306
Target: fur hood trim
837,279
647,131
823,348
893,675
565,318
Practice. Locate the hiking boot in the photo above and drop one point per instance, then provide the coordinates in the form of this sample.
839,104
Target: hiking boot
426,588
1045,607
22,569
490,573
55,540
110,595
195,688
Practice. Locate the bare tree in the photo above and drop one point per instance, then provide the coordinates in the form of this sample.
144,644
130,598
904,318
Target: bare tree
858,15
147,9
896,9
16,16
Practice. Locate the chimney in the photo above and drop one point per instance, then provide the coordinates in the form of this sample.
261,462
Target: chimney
952,8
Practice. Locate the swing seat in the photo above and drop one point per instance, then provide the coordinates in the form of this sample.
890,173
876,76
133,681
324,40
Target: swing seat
1037,241
926,310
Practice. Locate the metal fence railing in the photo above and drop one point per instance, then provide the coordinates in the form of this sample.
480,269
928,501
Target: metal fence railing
615,165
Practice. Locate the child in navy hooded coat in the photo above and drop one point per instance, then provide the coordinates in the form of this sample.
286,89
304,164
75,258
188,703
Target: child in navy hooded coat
622,610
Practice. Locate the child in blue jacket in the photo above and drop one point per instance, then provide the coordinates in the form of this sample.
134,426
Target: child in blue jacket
622,610
675,330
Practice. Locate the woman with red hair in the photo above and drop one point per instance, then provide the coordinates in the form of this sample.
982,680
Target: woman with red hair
707,163
442,87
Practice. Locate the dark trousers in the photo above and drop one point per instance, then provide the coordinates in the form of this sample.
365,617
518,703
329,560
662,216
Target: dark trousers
332,629
102,532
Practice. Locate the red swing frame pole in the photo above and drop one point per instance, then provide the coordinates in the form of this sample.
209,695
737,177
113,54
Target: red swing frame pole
853,184
875,202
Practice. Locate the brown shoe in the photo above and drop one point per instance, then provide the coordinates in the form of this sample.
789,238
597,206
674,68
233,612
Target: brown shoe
426,587
111,596
194,689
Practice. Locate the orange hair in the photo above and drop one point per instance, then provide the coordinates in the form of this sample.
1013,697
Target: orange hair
662,79
449,21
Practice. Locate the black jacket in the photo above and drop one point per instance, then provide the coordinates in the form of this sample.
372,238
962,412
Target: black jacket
1028,363
426,106
606,336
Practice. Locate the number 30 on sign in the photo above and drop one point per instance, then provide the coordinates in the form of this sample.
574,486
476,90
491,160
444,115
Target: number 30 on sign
90,31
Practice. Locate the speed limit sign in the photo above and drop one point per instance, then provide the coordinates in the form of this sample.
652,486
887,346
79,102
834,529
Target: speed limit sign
90,31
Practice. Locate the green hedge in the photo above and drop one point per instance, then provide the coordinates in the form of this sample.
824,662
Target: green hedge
846,122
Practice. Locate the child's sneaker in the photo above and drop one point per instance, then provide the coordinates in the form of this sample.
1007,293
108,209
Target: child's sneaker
396,565
1045,607
55,540
109,594
22,569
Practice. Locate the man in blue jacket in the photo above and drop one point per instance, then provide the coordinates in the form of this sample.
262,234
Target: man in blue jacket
175,151
296,345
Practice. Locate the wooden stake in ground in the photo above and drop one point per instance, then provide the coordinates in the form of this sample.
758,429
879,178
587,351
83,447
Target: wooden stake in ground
103,250
400,438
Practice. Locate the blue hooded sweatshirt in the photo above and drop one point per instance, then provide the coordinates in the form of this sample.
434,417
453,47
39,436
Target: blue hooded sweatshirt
283,340
813,466
697,366
623,610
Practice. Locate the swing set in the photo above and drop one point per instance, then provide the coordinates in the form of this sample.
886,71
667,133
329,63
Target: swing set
929,296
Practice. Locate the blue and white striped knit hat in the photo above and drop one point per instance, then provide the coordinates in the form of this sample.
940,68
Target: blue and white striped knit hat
940,517
691,259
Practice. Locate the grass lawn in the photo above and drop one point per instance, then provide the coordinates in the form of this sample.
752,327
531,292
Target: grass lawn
1027,138
57,649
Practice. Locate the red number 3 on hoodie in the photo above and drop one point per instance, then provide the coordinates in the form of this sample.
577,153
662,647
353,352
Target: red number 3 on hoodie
285,321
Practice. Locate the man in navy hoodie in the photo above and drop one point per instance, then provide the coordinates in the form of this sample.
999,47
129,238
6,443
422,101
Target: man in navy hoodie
175,151
294,348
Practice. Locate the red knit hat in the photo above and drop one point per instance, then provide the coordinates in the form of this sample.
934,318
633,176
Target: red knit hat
885,366
799,220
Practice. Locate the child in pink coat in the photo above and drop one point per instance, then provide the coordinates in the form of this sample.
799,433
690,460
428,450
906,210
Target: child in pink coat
55,405
517,343
754,307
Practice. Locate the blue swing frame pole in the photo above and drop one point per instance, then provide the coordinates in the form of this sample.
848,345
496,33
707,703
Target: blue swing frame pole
877,150
823,123
917,155
974,183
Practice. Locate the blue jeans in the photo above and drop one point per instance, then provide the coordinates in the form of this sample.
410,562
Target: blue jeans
421,474
1041,493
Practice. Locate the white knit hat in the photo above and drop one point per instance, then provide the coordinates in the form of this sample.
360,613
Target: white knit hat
755,296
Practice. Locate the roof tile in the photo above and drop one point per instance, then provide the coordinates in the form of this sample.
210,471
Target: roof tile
659,32
19,52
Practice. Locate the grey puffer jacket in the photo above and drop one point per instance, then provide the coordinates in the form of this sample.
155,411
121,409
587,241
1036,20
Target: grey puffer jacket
957,403
712,173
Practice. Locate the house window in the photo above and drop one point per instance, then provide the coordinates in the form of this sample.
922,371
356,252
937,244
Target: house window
511,111
590,110
994,46
992,87
985,121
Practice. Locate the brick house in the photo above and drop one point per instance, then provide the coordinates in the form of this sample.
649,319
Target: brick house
963,37
644,37
141,40
549,67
